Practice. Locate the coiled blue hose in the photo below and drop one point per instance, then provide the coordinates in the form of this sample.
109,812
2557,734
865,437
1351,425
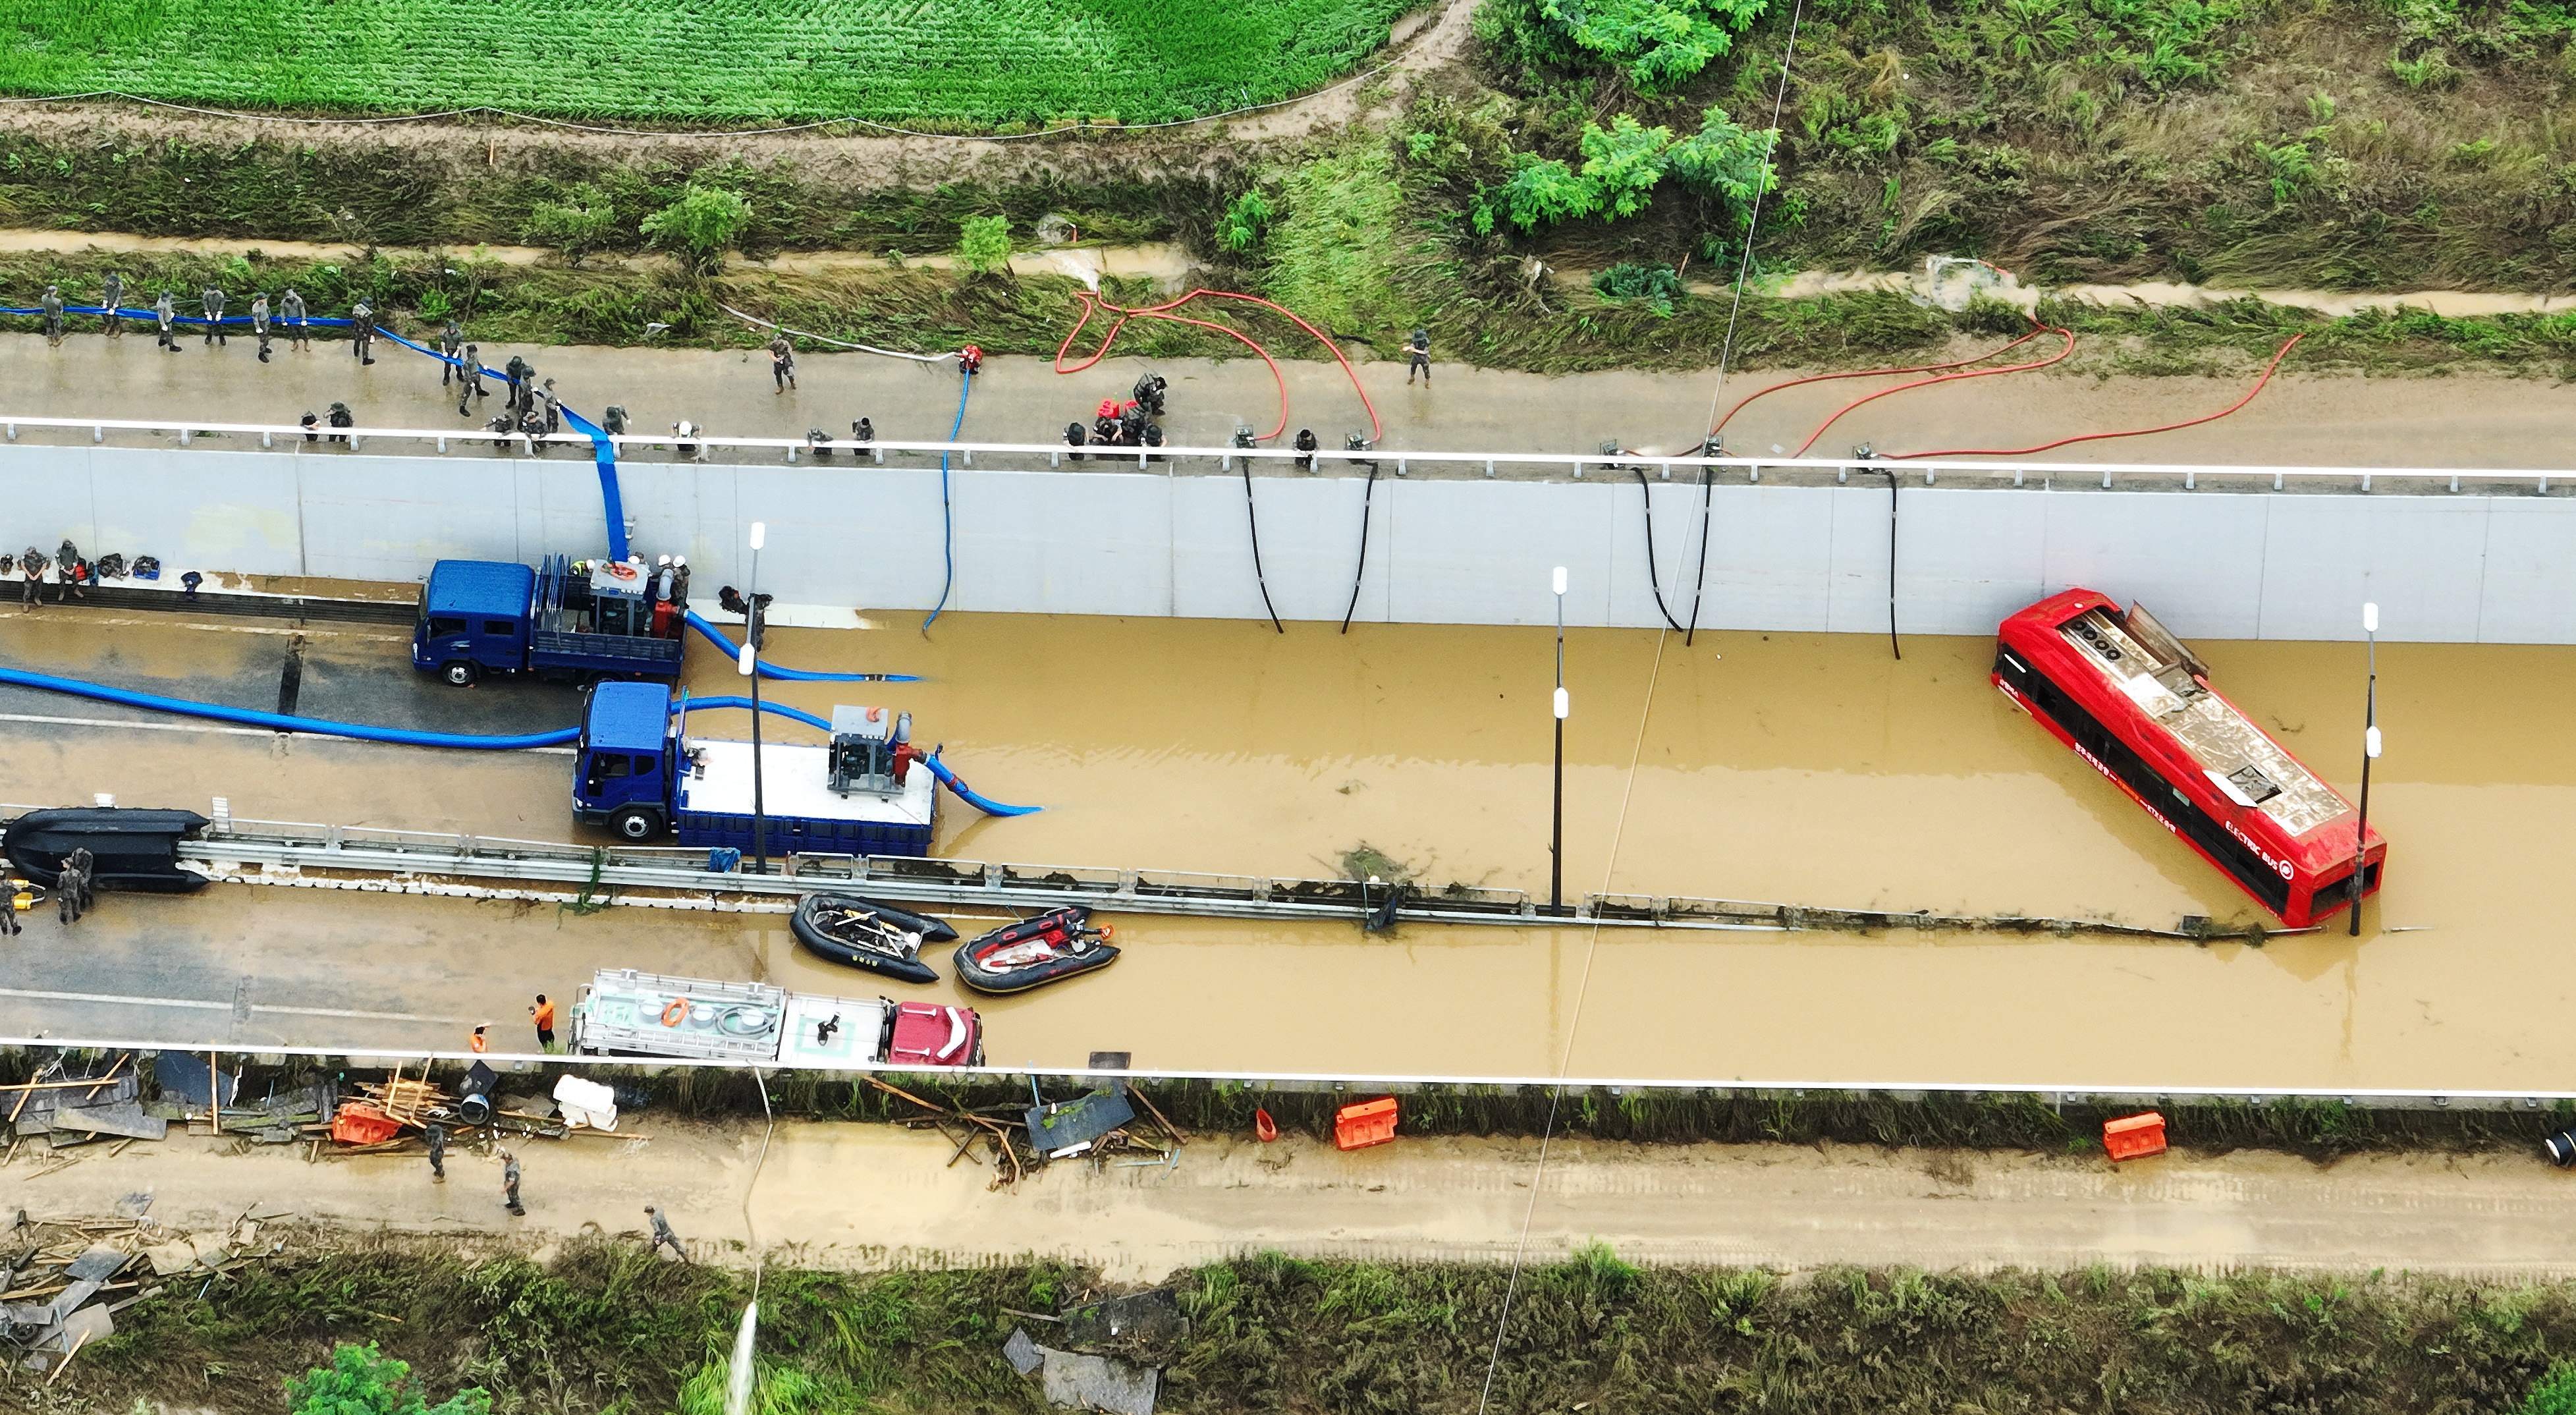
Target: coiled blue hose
793,675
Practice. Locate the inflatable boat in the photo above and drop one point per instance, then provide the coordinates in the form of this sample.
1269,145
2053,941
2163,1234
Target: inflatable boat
1034,952
865,934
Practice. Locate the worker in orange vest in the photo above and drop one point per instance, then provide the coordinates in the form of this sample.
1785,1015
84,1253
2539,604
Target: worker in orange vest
544,1013
478,1041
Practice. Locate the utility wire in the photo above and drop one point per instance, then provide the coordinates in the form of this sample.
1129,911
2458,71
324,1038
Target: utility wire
1574,1026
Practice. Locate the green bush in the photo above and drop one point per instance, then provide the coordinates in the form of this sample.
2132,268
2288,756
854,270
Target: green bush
1239,230
583,222
362,1381
1656,285
703,222
1661,44
1623,163
2554,1393
984,243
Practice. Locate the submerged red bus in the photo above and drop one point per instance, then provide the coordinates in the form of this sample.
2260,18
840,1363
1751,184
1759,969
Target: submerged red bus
2132,700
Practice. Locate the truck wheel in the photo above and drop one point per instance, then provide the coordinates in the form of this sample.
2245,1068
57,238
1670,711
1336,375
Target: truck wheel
459,672
635,823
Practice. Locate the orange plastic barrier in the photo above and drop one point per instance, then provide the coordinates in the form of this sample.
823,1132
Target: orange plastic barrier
1356,1127
1264,1127
356,1124
2134,1136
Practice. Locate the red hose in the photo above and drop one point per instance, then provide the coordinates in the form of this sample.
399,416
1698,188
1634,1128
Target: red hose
2259,384
1092,303
1870,373
1944,378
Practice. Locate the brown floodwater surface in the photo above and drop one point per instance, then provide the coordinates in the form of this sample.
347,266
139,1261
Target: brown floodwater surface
1810,769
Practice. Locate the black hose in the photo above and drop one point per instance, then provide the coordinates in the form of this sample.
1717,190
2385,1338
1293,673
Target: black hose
1365,496
1653,582
1254,519
1893,646
1707,494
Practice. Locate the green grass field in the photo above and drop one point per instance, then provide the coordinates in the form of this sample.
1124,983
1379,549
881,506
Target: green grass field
953,63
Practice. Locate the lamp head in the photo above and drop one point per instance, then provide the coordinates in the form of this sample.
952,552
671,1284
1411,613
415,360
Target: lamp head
1564,705
759,534
2370,619
747,661
1560,579
2370,743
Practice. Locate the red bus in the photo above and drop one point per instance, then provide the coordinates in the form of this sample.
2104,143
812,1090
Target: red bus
2132,700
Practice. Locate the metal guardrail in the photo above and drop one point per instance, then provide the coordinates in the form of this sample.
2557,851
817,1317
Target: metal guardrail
2046,474
2125,1093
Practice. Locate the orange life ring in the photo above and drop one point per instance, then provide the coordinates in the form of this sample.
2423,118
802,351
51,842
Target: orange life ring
673,1014
1108,932
619,569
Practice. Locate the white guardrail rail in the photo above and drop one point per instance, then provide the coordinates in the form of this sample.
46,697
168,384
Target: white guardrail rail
2047,474
672,877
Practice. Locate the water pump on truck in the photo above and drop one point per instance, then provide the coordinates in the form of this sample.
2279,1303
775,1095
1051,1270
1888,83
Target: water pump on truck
642,775
560,623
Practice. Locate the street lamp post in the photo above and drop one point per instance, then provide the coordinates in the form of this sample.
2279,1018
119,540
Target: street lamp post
749,666
2369,753
1556,835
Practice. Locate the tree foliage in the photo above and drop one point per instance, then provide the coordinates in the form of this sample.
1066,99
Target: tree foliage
1659,44
984,243
703,222
1622,166
1239,230
363,1381
583,221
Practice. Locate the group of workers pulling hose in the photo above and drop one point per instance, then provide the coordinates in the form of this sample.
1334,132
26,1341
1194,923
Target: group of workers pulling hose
1128,424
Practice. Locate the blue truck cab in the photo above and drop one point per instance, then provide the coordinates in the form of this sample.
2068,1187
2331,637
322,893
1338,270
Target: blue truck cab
622,773
486,616
640,773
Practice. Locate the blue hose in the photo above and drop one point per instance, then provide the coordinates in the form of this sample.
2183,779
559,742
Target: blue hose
793,675
281,722
947,517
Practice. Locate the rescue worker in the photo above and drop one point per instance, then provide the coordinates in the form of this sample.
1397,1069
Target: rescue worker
663,1237
510,1185
53,306
680,581
1131,424
111,296
451,342
543,1014
1306,444
9,927
613,421
1149,392
1074,437
309,422
213,300
552,405
682,431
165,312
863,431
362,332
437,1135
259,322
469,379
340,417
70,888
291,309
517,371
32,564
1418,357
782,363
69,571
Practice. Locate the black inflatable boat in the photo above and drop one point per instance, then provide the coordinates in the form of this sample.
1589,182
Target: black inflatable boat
865,934
134,850
1033,952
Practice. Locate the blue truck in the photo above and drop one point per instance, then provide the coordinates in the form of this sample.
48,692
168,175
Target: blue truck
869,791
559,623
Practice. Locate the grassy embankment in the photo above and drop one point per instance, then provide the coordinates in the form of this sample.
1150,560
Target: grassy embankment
2349,145
605,1328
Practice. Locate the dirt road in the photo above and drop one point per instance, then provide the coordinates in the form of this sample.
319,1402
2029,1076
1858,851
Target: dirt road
869,1196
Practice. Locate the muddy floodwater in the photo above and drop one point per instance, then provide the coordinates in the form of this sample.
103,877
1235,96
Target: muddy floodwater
1812,769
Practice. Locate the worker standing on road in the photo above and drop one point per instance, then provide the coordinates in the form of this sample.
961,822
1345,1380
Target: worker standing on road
111,296
782,362
362,332
213,300
663,1237
451,340
53,305
166,312
469,379
437,1154
510,1185
341,417
544,1014
1417,351
480,1042
552,405
33,564
9,891
71,887
291,309
613,420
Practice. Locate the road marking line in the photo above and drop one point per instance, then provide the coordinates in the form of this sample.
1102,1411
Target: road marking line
217,1006
50,721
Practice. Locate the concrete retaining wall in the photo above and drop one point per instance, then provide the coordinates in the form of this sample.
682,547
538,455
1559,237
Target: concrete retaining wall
2444,568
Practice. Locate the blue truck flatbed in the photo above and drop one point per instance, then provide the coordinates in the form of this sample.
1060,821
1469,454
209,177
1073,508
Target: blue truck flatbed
485,616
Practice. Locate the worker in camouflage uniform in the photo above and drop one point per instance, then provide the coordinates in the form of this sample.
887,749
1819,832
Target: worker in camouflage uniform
299,332
165,313
362,332
213,299
111,297
259,322
53,307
